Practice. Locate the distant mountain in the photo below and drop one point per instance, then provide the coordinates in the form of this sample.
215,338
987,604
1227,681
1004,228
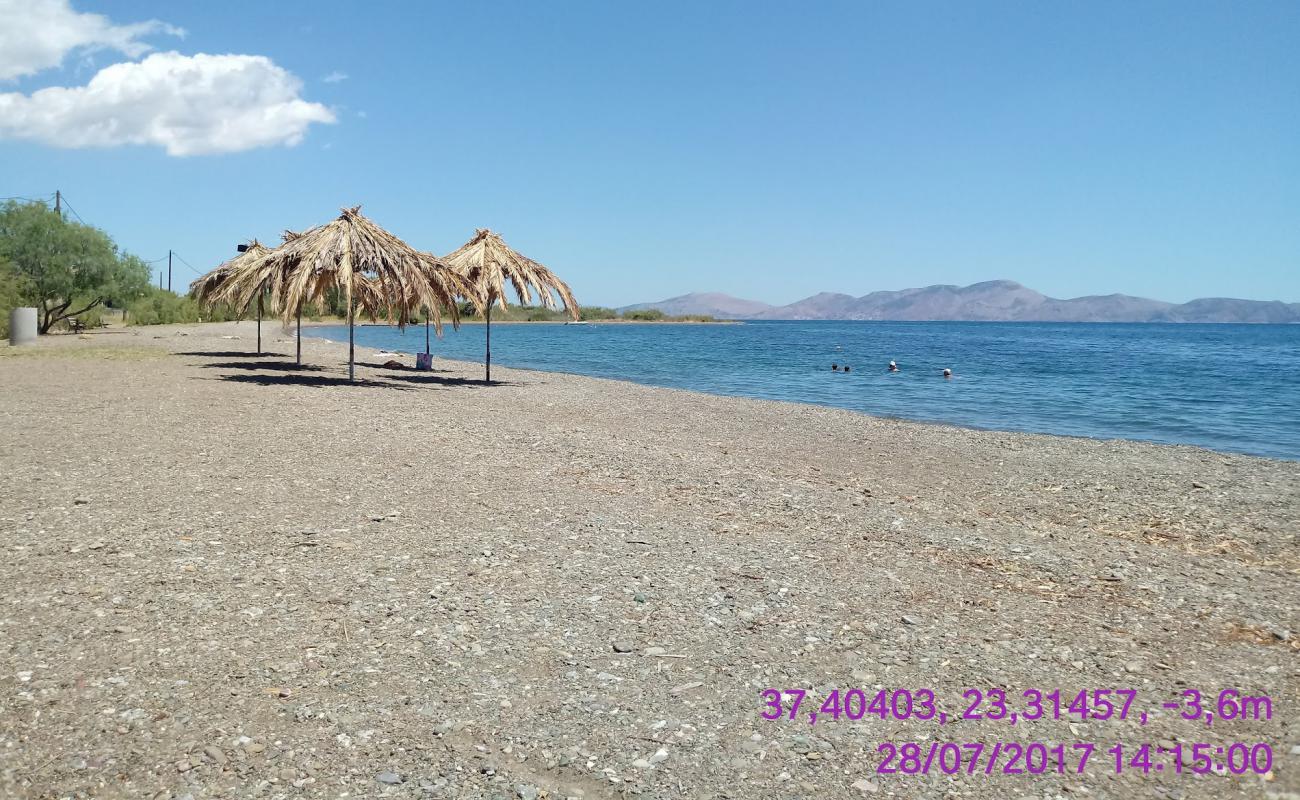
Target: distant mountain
1226,309
717,304
990,301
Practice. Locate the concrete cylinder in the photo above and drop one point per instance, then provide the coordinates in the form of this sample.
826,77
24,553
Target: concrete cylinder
22,326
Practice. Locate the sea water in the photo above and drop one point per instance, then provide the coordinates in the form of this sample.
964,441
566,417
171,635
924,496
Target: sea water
1227,387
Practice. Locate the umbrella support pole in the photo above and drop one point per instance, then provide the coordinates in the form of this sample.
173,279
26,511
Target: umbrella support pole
487,356
259,324
299,360
352,343
427,349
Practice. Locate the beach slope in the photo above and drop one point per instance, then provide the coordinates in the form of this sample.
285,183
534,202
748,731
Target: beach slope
225,577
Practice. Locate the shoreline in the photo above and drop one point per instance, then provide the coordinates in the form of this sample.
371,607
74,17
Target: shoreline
282,582
271,326
939,423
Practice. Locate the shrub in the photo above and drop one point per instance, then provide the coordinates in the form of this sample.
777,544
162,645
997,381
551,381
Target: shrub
644,315
597,312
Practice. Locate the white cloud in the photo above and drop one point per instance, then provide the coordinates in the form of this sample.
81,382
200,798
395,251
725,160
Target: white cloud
335,77
190,105
36,35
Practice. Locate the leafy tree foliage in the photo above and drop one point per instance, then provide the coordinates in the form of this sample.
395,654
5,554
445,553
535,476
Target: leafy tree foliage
597,312
11,294
645,315
65,268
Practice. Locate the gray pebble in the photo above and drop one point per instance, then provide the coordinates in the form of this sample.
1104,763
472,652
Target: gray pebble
390,778
622,646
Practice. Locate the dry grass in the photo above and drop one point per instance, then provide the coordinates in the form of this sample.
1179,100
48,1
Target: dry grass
96,352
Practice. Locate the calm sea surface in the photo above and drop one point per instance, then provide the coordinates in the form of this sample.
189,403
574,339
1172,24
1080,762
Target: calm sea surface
1228,387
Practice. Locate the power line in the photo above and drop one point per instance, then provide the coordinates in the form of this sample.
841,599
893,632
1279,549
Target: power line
73,210
186,263
62,200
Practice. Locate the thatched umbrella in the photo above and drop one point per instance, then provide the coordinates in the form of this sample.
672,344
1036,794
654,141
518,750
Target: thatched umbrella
212,288
346,254
488,262
289,236
437,272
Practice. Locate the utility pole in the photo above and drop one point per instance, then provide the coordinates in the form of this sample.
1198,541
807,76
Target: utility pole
261,290
169,270
58,203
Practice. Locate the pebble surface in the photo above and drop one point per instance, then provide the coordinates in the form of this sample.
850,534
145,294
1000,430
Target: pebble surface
224,577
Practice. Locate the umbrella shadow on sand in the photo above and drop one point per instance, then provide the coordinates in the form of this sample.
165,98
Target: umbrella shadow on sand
380,365
311,381
282,366
228,354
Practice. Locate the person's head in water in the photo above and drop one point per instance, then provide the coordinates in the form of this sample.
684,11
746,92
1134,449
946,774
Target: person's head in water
847,368
893,367
835,367
947,373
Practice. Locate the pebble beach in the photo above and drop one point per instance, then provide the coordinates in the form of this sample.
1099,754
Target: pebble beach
224,576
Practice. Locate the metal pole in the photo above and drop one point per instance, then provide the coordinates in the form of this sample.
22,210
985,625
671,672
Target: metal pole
58,204
169,270
259,323
487,360
352,343
300,333
427,349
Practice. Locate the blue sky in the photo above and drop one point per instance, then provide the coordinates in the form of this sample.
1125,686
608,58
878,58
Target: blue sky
767,150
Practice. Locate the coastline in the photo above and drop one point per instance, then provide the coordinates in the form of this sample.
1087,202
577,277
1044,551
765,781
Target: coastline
566,322
1016,394
454,566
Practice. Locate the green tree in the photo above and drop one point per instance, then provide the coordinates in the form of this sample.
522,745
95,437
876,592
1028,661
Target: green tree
645,315
11,294
597,312
65,268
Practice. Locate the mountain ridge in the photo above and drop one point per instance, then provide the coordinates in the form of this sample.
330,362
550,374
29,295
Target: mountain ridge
722,306
986,301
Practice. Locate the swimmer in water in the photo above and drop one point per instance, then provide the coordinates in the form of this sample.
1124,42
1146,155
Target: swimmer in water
847,368
835,367
893,367
947,373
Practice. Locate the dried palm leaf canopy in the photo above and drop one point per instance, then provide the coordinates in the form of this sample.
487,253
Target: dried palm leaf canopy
208,289
370,267
443,279
489,263
365,263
